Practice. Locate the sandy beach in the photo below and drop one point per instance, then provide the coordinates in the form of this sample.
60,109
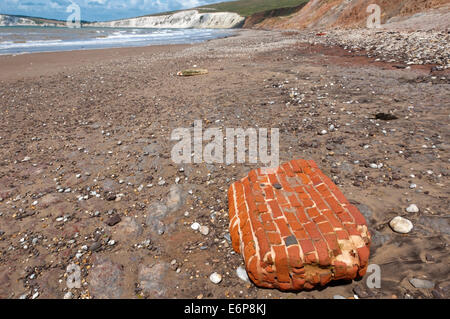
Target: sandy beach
85,163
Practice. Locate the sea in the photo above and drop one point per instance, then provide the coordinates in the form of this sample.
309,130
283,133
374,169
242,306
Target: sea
19,40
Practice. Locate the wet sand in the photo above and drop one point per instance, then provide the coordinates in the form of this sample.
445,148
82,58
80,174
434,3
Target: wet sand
85,136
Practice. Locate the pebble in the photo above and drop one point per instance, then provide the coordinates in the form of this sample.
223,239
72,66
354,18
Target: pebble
401,225
277,186
323,132
204,230
195,226
215,278
421,283
161,182
412,209
338,297
95,246
115,219
412,186
242,273
68,295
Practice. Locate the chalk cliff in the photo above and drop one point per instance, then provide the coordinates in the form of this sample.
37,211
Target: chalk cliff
7,20
183,19
11,21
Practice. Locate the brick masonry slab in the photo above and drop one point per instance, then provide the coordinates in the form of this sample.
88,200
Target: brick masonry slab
295,229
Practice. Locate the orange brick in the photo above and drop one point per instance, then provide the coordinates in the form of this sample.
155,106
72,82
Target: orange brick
322,251
274,238
268,192
301,234
307,246
294,201
295,167
332,243
276,211
356,214
262,208
342,234
283,227
269,226
301,215
312,212
326,228
294,256
281,264
313,232
287,168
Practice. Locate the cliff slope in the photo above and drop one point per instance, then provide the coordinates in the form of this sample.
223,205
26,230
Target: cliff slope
321,14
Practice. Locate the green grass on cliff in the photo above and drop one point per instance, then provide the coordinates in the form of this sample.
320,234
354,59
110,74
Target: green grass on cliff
246,8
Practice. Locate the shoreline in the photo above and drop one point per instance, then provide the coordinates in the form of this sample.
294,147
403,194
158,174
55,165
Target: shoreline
188,40
16,65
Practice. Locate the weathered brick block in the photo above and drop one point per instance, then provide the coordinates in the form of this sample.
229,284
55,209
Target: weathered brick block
295,229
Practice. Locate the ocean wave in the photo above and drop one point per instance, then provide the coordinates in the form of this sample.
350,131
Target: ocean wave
92,39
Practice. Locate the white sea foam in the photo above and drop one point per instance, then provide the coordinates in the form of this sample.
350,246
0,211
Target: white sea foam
26,40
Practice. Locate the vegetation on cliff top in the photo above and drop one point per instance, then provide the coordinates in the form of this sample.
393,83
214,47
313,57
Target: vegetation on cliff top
246,8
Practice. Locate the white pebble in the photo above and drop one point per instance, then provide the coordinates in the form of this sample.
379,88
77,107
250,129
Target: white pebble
401,225
68,295
204,230
412,209
242,273
215,278
195,226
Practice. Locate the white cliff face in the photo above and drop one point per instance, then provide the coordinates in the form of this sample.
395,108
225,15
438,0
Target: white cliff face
183,19
11,21
6,20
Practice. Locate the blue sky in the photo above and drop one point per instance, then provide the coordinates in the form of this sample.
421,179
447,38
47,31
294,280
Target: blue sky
98,10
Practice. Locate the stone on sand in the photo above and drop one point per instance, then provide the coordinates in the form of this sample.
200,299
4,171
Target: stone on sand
401,225
412,209
421,283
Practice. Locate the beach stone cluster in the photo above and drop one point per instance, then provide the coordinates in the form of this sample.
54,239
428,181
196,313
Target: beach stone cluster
409,47
295,229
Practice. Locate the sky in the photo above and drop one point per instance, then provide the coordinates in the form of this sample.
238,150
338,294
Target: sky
96,10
